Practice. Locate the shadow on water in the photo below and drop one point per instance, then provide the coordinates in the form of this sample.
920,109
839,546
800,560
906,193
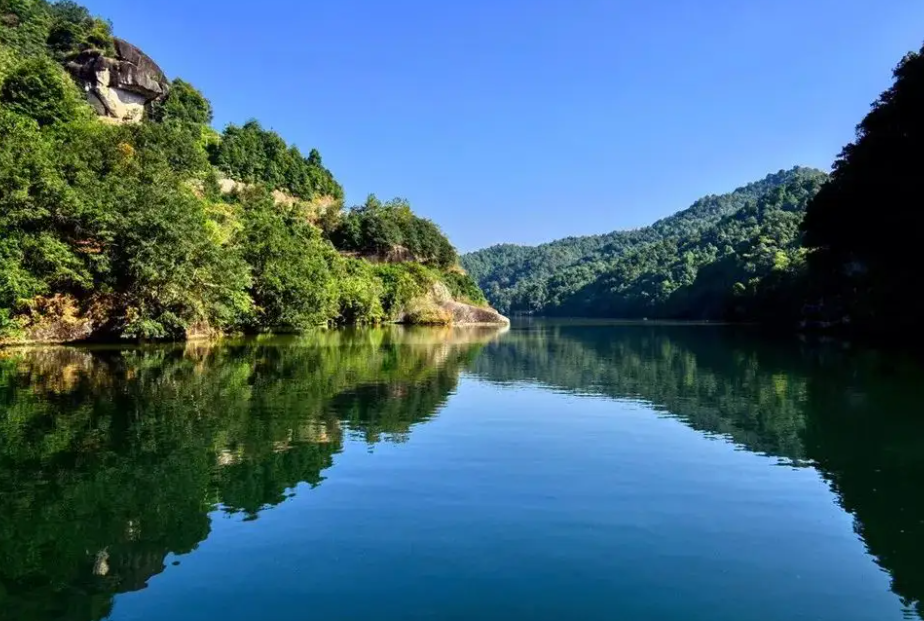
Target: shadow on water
111,459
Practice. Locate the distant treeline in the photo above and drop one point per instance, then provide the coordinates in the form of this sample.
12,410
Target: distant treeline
799,247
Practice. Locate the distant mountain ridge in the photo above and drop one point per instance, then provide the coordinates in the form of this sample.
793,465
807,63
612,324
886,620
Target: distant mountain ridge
558,277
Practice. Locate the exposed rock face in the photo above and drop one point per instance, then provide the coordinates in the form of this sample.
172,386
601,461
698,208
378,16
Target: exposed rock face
395,254
119,88
56,319
438,308
313,209
468,315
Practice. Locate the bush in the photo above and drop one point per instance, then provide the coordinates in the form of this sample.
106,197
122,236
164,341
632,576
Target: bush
464,288
293,286
380,228
73,29
360,293
402,283
254,155
39,88
171,273
183,104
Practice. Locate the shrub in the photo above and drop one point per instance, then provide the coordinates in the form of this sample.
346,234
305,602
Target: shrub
183,104
39,88
377,227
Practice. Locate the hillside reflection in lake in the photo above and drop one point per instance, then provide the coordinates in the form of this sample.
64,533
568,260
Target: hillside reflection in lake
552,478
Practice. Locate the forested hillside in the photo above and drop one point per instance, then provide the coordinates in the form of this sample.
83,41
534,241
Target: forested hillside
123,212
685,265
796,249
865,227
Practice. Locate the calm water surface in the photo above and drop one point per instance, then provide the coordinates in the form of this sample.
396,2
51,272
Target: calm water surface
553,471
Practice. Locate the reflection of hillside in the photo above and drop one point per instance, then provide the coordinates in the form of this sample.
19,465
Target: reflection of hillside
856,417
111,459
868,435
694,373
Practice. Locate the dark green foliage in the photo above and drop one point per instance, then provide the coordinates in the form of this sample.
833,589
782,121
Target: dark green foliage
172,273
57,28
73,29
38,215
362,297
183,104
682,266
254,155
695,276
867,220
463,287
129,224
89,209
391,227
38,88
180,143
293,285
38,27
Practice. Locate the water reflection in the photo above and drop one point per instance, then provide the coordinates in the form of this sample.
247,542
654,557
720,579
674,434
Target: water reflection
111,459
854,415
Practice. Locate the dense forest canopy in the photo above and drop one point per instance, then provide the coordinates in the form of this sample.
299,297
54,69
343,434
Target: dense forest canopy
384,227
867,221
799,248
254,155
687,265
166,227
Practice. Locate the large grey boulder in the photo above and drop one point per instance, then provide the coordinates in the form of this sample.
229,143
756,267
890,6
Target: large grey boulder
120,87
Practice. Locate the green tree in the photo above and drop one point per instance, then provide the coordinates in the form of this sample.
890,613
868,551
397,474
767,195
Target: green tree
128,227
252,154
293,286
38,88
864,223
381,228
171,274
183,104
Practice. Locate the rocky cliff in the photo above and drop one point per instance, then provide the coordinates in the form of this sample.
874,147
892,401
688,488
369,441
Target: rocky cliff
120,87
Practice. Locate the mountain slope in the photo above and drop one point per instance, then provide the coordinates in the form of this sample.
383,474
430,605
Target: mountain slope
124,213
590,275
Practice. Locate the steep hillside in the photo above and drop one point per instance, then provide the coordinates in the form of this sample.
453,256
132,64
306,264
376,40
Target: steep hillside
865,227
707,273
594,275
124,213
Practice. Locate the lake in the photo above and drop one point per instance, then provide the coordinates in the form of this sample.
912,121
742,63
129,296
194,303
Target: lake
551,471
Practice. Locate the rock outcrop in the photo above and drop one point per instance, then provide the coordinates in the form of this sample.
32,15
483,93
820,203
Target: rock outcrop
56,319
439,308
395,254
119,88
470,315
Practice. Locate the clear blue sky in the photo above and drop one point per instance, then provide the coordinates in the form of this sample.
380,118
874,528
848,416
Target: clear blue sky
529,120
